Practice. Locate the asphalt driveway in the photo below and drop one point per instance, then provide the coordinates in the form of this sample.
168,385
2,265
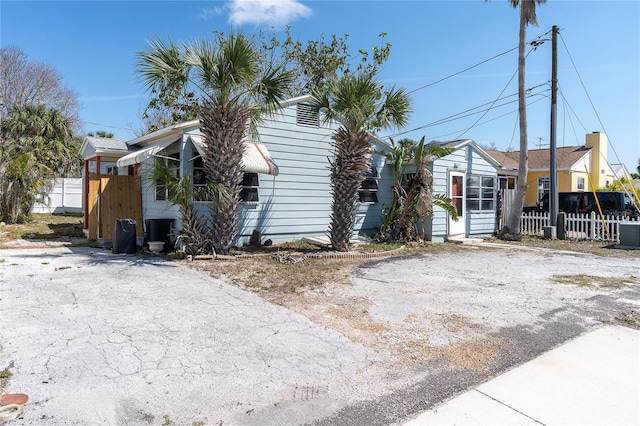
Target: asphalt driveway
97,338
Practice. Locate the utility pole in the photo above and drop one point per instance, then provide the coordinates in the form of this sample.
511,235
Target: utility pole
553,169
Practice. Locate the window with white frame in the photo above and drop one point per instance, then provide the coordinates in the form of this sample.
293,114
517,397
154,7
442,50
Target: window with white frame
368,192
481,192
162,189
112,170
543,187
580,184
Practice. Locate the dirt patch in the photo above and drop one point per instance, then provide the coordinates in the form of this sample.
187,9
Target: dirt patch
339,306
320,289
629,319
584,280
323,290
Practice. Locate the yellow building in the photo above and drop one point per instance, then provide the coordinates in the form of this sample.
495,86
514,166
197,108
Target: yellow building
580,168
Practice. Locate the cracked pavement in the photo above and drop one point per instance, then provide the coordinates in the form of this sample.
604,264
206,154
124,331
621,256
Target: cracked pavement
104,339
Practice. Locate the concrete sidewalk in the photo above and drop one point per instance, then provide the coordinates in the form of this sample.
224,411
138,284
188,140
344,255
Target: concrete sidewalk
591,380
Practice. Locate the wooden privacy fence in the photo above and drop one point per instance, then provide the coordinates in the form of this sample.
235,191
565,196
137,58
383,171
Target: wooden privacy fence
113,197
588,226
505,204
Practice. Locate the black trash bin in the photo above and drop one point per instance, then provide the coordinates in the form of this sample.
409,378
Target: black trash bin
124,236
159,230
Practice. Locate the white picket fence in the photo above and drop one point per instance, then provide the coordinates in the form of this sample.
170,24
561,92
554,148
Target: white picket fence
588,226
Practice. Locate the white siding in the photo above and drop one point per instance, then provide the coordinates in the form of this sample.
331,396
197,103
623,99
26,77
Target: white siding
465,159
297,202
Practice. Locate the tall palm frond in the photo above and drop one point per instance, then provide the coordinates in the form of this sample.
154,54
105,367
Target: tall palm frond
162,65
395,111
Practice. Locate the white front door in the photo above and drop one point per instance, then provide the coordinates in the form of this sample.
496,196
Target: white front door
457,195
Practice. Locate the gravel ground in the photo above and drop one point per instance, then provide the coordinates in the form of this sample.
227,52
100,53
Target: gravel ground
446,320
371,343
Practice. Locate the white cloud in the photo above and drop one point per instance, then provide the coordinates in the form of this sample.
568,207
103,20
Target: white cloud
211,12
273,12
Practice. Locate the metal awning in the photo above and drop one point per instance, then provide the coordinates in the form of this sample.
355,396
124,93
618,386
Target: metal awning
142,155
256,158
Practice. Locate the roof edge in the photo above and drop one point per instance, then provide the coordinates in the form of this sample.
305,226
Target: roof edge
167,131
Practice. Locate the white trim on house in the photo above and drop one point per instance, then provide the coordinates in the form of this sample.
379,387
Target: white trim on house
256,158
176,129
142,155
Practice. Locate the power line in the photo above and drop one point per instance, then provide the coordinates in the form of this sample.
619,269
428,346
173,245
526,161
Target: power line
534,43
538,41
463,71
632,190
479,124
588,96
505,88
111,127
572,110
464,114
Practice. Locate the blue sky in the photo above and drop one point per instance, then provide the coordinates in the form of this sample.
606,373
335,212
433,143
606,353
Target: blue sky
93,43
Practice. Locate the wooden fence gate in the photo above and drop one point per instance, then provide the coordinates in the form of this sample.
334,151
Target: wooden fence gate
113,197
505,204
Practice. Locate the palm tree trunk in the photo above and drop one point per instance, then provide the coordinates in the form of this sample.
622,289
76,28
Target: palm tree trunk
195,238
512,225
347,168
224,130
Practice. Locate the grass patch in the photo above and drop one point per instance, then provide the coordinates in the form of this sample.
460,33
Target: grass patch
5,374
584,280
265,273
44,227
272,278
599,248
376,247
630,319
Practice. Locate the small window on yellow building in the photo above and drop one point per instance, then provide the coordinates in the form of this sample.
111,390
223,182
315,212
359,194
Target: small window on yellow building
580,184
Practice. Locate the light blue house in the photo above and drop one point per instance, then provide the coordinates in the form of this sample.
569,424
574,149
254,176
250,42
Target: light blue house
469,176
286,193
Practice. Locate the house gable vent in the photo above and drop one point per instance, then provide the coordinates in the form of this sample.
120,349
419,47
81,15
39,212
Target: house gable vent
307,116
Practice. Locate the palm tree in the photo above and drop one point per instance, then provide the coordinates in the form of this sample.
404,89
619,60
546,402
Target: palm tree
235,88
101,134
511,229
413,199
361,105
36,146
